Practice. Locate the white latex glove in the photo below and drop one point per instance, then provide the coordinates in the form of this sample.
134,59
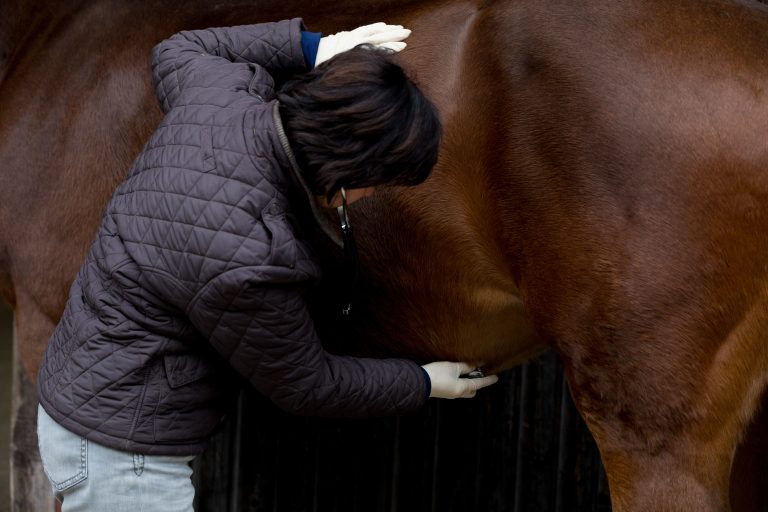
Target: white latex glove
378,34
446,382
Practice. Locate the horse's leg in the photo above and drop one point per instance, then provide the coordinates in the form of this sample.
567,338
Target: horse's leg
669,447
30,489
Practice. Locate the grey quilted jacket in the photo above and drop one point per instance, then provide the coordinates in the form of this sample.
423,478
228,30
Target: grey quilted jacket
198,269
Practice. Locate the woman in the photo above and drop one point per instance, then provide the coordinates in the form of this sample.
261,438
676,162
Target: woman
199,266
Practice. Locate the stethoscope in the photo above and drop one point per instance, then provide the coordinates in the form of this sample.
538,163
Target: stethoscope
350,253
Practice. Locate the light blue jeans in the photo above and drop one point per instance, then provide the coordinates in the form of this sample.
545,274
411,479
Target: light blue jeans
89,477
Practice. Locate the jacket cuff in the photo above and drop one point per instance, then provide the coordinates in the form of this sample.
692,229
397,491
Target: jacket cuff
427,383
297,52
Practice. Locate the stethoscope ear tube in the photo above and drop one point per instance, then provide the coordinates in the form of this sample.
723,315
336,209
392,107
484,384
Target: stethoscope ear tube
350,254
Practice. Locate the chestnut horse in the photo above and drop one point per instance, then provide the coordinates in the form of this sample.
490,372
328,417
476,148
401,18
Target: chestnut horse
602,190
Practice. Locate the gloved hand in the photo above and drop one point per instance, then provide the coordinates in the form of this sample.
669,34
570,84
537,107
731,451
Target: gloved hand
378,34
446,382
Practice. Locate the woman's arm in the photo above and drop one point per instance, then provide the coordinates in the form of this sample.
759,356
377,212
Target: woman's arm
195,58
266,334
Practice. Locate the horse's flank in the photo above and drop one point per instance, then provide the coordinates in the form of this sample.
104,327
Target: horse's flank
602,178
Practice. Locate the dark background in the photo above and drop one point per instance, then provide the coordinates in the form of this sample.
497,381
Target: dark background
518,446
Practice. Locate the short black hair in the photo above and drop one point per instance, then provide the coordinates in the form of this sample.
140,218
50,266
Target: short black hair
357,120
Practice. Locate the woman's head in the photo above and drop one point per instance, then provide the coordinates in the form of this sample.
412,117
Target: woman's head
358,121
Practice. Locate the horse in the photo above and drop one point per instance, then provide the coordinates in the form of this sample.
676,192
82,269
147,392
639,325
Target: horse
601,191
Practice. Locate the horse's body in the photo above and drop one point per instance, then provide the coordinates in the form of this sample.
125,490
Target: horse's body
602,189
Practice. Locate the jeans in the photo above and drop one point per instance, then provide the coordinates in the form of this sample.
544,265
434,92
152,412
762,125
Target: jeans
87,476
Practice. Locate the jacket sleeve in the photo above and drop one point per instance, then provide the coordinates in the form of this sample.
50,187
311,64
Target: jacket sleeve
195,58
266,333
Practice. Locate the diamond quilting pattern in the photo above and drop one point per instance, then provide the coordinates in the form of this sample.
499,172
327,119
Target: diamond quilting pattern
187,256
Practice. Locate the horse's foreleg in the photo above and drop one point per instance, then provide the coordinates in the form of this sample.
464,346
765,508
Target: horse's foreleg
667,422
677,471
30,489
691,475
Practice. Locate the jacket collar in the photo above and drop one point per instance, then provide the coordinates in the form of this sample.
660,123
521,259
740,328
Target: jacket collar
322,220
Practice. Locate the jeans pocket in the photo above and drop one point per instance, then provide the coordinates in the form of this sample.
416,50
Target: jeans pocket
64,454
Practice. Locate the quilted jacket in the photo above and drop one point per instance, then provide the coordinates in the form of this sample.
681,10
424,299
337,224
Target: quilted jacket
198,268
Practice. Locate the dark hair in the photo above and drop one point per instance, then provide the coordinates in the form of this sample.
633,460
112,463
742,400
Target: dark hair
358,121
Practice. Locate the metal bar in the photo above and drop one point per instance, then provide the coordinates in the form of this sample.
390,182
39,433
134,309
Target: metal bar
394,489
234,452
435,459
562,446
519,452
